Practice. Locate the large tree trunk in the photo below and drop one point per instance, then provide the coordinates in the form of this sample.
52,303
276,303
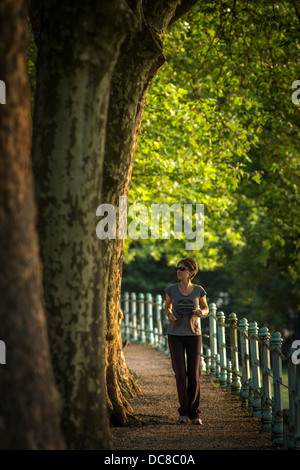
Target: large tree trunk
78,46
140,58
30,405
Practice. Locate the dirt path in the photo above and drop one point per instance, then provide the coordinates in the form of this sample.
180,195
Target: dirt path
226,425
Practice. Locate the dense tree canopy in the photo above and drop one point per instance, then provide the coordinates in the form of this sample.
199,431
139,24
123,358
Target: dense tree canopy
220,129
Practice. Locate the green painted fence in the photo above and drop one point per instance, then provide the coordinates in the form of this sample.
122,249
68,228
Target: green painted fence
244,359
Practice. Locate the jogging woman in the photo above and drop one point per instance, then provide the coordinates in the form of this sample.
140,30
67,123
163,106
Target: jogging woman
184,336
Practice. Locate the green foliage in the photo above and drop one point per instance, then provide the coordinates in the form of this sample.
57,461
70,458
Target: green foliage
220,129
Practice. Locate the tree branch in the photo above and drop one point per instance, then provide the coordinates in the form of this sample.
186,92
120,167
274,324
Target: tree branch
183,8
158,14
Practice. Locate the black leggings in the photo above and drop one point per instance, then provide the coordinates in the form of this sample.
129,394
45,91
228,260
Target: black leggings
189,396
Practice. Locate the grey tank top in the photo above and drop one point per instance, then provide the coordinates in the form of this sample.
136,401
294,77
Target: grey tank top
187,324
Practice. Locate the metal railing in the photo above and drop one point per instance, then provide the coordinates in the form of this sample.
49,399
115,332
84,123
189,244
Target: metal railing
245,361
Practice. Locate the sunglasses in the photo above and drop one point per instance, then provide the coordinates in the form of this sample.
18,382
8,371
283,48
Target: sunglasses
182,268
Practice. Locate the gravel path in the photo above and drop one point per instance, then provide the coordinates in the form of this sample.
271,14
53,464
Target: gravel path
226,425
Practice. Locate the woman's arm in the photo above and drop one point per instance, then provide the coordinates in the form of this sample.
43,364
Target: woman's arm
203,310
168,311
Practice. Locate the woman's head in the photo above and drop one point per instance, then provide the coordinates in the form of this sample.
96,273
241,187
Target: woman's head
191,264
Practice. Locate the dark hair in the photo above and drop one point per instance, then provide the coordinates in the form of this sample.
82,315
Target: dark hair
191,264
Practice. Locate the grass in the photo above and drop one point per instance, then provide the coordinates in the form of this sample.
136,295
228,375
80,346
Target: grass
285,391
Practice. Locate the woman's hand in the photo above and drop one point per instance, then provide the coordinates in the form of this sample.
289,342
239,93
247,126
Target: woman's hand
171,317
199,313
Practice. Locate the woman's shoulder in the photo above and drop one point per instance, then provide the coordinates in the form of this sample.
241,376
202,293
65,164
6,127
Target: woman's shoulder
170,288
201,290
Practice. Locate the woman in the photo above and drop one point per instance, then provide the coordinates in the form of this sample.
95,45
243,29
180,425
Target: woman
184,334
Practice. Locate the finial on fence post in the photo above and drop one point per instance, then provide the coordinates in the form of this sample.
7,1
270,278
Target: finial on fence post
213,337
266,415
243,325
277,427
255,366
222,349
236,382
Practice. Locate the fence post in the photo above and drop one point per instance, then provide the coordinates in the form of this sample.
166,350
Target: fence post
208,360
222,349
141,314
236,383
250,400
290,414
277,427
294,395
255,366
155,334
286,429
158,306
297,411
149,311
218,368
229,376
243,325
213,337
266,415
202,358
133,316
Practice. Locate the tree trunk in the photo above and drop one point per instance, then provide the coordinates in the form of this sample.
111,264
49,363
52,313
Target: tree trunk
120,384
77,49
30,405
140,58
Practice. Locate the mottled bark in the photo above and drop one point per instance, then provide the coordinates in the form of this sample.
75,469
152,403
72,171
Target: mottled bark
120,384
78,47
140,58
30,405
